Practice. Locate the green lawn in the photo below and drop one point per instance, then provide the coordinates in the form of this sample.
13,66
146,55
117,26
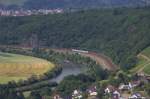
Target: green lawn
147,69
141,62
146,52
16,67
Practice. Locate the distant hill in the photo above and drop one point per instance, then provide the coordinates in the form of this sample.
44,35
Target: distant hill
119,33
12,2
65,4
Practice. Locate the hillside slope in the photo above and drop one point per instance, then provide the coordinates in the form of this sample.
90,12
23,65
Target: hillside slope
143,64
65,4
81,3
118,33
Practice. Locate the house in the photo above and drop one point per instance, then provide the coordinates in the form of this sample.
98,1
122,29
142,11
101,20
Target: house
130,86
92,91
116,95
77,94
109,89
135,83
123,87
57,96
136,96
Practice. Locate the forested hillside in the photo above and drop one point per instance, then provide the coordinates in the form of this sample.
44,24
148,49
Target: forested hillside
119,33
67,4
36,4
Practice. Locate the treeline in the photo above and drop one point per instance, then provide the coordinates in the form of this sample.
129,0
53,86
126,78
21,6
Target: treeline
66,4
118,33
75,4
7,93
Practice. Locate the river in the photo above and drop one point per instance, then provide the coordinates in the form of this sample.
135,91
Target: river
70,68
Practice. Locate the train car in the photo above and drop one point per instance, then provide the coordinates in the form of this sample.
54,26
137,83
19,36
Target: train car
79,51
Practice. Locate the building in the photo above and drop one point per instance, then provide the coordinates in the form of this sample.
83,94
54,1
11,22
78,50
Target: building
130,86
116,95
109,89
136,96
124,87
77,94
92,91
57,96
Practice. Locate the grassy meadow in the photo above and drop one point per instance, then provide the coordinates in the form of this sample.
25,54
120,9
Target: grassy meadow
16,67
143,64
146,52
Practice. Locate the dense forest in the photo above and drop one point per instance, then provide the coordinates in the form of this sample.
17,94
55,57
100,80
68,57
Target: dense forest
36,4
118,33
67,4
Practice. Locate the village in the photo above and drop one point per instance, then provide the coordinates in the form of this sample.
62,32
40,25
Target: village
130,90
22,12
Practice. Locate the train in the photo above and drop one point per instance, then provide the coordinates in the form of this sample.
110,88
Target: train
79,51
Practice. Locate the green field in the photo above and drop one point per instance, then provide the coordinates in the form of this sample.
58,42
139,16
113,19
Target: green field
146,52
8,2
143,64
139,65
16,67
147,69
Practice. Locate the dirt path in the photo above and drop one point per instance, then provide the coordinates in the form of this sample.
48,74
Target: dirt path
144,56
103,60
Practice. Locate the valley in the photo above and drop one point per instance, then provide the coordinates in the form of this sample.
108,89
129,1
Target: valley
78,54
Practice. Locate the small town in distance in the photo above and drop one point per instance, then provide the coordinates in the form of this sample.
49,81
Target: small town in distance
22,12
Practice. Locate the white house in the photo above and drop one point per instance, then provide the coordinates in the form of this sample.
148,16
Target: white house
116,95
109,89
92,91
125,87
77,94
136,96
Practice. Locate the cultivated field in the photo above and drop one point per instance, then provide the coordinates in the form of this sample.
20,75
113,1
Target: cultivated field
16,67
143,65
